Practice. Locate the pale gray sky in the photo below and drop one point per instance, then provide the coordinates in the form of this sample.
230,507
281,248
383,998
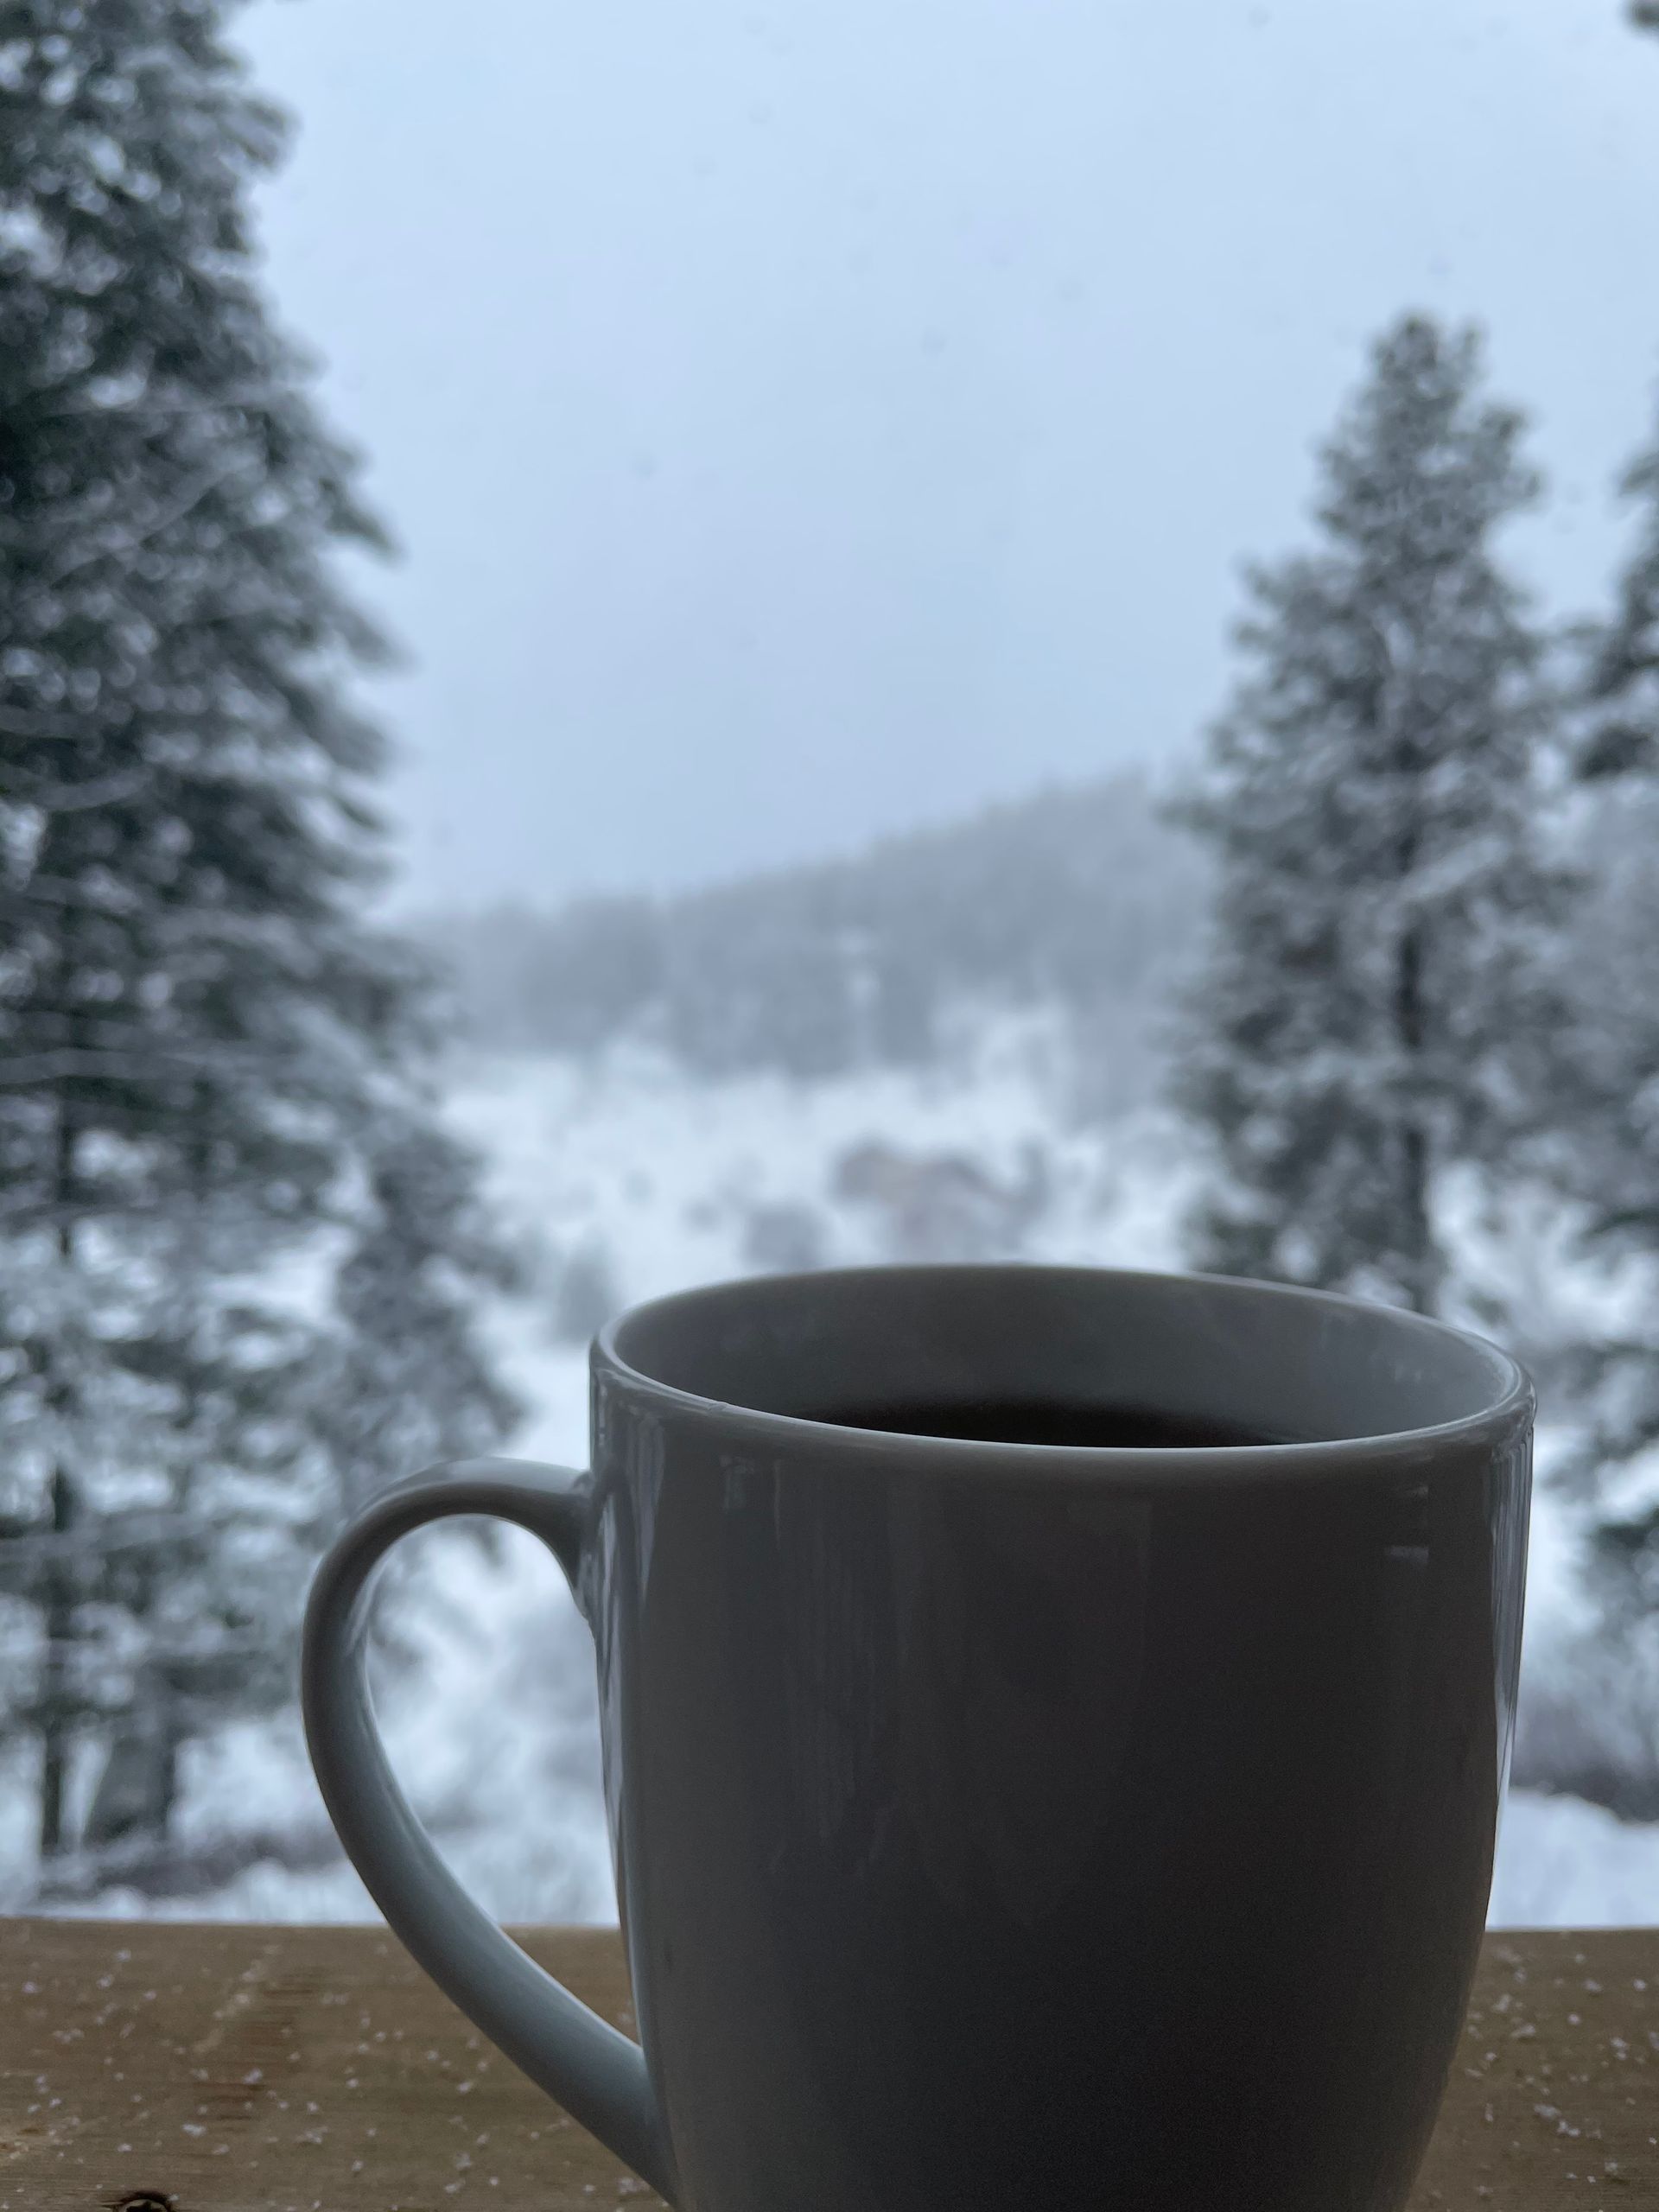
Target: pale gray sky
803,421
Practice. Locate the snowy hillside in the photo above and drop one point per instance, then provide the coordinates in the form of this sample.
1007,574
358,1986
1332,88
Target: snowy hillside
620,1181
1085,897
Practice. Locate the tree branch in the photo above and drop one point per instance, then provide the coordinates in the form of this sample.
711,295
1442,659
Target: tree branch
73,798
268,395
40,723
30,1070
118,544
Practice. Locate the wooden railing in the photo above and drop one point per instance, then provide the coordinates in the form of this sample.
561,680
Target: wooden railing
302,2069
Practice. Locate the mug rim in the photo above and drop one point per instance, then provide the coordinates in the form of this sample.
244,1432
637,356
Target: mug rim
1512,1405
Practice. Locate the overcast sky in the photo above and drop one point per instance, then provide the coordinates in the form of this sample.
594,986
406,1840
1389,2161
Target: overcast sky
804,422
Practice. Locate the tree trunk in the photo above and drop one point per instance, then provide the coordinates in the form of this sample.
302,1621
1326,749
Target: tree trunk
138,1787
59,1609
59,1622
1420,1261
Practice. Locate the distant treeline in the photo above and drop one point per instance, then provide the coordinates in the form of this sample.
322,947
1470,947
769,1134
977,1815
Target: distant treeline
1083,898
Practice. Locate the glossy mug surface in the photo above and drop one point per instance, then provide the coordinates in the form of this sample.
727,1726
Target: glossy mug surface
1001,1820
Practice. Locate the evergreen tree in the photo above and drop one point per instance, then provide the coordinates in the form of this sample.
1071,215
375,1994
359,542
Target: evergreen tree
196,1027
1613,1170
1623,683
1371,798
401,1378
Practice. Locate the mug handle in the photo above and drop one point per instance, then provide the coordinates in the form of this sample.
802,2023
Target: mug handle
597,2074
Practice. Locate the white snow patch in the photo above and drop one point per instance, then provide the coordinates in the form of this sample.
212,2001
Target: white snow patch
1563,1863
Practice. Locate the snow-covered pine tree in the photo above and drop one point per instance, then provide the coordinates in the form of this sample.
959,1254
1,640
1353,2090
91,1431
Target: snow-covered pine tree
1622,683
1369,798
401,1376
196,1029
1612,1172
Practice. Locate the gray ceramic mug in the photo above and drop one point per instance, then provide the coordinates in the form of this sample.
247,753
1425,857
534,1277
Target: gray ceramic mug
1002,1823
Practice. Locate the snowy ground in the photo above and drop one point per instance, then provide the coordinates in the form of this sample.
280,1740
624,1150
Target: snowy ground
657,1184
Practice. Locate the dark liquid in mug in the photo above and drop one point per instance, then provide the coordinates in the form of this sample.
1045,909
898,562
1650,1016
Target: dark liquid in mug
1121,1428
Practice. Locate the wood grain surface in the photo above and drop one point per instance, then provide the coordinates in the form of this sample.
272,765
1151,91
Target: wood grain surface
296,2069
